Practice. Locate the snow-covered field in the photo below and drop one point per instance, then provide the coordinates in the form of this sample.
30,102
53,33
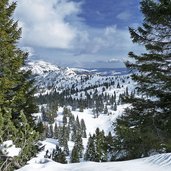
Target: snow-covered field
103,122
161,162
147,164
50,76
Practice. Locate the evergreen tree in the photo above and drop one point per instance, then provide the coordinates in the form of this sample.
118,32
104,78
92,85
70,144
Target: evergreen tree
25,138
59,156
74,155
101,151
66,148
56,132
146,126
17,101
40,128
71,120
105,110
115,107
63,135
66,111
83,129
90,150
78,127
64,120
97,147
79,144
50,131
109,146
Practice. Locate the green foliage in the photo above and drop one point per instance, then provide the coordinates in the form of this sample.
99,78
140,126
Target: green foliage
98,147
79,144
16,88
101,154
74,155
63,134
83,129
145,127
56,131
90,152
59,156
105,110
26,137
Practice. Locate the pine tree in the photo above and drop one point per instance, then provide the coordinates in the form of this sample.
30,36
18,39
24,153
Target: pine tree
63,135
109,146
40,128
78,127
115,107
74,155
146,126
50,131
26,136
56,131
59,156
64,120
90,150
101,151
17,101
79,144
105,109
83,129
66,148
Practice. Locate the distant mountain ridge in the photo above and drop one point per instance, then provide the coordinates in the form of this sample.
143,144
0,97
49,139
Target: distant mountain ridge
50,77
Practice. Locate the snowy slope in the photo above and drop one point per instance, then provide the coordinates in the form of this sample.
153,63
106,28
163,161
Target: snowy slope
160,162
103,122
41,67
50,77
53,78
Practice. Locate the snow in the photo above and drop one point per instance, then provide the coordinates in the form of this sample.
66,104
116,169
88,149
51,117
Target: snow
103,122
160,162
50,78
132,165
40,67
8,149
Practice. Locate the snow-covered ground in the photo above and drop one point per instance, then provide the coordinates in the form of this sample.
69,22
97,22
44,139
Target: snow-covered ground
103,122
9,149
147,164
161,162
51,76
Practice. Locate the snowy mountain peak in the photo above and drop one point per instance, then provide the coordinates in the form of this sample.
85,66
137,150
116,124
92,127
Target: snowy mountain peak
69,71
41,67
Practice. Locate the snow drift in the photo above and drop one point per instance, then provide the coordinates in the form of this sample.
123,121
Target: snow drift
161,162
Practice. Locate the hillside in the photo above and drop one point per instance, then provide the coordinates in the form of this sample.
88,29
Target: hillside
155,163
66,97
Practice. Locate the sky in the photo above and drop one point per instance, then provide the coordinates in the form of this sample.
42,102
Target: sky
78,32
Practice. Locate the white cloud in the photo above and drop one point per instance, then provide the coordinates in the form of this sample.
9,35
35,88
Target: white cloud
44,22
110,30
125,15
106,39
53,29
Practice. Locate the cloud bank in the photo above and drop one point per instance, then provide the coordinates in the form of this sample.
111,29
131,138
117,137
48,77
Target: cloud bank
44,22
54,29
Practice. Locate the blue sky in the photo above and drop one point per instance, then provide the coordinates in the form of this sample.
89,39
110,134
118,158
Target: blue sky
102,13
74,32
